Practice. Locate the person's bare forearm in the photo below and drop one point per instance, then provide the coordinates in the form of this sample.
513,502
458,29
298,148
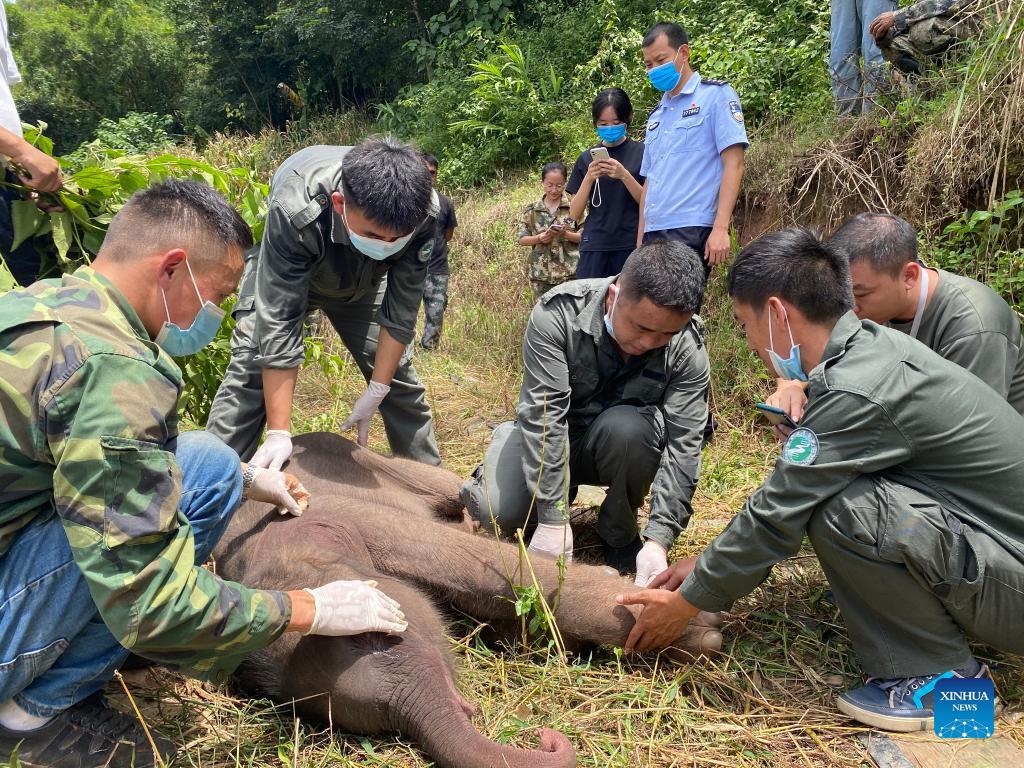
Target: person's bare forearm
278,394
579,201
633,186
640,227
729,192
389,354
11,144
303,611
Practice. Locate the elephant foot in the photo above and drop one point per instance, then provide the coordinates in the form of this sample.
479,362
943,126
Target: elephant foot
701,638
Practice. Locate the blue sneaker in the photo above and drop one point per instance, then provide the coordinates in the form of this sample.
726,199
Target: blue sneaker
902,704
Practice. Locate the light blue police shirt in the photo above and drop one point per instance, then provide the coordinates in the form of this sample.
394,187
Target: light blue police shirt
686,134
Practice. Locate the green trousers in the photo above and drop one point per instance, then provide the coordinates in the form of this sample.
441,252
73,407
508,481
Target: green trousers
913,580
498,489
238,414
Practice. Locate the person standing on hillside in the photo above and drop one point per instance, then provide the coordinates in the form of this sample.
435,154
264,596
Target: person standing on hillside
693,151
611,186
906,474
339,221
615,393
919,36
435,286
41,172
961,319
552,235
850,40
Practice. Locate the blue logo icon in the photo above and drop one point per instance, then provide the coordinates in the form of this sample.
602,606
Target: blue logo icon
964,708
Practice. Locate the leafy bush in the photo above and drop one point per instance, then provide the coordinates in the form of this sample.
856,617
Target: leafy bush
134,134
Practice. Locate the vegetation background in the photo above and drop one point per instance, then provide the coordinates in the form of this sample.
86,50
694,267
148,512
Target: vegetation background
223,90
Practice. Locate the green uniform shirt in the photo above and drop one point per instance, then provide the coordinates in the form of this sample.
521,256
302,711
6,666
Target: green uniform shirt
572,372
89,409
969,323
306,253
556,261
879,402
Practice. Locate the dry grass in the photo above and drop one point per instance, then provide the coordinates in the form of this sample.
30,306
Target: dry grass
766,702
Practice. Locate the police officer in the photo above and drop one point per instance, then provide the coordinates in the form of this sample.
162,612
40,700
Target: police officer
961,319
693,152
615,388
107,512
906,473
349,230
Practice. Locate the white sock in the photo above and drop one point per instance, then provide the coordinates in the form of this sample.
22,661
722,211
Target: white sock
15,718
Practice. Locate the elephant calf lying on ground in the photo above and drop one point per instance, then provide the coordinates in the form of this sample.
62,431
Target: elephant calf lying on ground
401,524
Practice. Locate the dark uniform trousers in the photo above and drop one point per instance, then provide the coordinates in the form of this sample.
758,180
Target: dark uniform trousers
912,579
620,449
238,414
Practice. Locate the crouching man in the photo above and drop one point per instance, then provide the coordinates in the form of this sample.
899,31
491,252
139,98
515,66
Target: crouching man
106,512
906,473
615,391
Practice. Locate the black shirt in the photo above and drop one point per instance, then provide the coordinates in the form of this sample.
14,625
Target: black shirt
438,264
612,225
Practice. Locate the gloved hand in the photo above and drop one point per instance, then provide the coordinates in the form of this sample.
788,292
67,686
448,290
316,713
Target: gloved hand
552,541
281,489
651,560
365,407
275,451
354,607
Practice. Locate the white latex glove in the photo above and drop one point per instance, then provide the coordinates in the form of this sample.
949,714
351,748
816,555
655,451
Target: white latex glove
651,560
354,607
552,541
282,490
275,451
365,407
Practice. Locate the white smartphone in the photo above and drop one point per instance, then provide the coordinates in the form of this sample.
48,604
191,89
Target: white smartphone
599,153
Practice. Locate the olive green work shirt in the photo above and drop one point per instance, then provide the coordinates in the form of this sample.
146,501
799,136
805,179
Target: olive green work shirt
572,371
306,252
878,403
969,323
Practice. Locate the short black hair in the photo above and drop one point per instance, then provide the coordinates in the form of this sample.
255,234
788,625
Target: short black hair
796,265
617,99
551,167
388,181
176,210
431,160
675,33
667,272
885,241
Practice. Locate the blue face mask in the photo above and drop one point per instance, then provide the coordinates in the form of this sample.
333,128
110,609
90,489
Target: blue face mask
371,247
789,368
611,133
665,77
181,343
608,316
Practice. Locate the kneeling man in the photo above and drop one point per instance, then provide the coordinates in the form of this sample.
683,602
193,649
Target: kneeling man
906,473
615,393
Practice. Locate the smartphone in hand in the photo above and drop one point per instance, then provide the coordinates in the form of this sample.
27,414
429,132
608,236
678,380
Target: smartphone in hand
776,416
599,153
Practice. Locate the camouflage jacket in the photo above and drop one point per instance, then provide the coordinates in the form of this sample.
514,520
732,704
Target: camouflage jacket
89,416
927,9
553,262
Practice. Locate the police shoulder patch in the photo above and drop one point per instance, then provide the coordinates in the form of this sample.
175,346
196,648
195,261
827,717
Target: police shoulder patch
736,110
710,81
801,448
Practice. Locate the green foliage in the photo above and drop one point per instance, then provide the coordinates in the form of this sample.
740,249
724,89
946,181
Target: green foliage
83,60
136,133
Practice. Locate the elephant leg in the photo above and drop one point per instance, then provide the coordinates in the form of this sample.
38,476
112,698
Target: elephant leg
480,575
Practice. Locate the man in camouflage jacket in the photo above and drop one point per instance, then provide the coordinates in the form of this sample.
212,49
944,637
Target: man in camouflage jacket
106,512
912,38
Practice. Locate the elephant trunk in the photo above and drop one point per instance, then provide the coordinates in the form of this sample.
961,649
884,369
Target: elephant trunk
445,732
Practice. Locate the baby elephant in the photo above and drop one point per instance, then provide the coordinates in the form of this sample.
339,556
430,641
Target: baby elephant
401,524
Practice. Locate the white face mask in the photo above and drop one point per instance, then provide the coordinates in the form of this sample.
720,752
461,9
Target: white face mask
371,247
608,315
922,299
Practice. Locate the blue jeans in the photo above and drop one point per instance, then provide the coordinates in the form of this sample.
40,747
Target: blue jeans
849,41
55,649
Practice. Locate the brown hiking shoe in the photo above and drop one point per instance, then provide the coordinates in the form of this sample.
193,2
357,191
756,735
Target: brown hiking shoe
89,735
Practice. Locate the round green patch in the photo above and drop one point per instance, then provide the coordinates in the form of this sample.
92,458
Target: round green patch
801,447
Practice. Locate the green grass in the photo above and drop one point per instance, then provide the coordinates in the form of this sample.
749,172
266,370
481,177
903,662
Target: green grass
767,701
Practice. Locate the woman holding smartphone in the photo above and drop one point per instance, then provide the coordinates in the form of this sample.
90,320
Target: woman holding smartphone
608,178
552,234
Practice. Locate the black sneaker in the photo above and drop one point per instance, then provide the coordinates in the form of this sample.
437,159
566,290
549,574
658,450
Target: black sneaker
89,735
623,559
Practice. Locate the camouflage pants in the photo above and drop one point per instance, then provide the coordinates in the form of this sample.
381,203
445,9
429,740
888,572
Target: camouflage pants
435,302
924,42
55,649
913,580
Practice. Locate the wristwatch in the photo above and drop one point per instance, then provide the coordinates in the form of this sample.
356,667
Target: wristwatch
251,470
